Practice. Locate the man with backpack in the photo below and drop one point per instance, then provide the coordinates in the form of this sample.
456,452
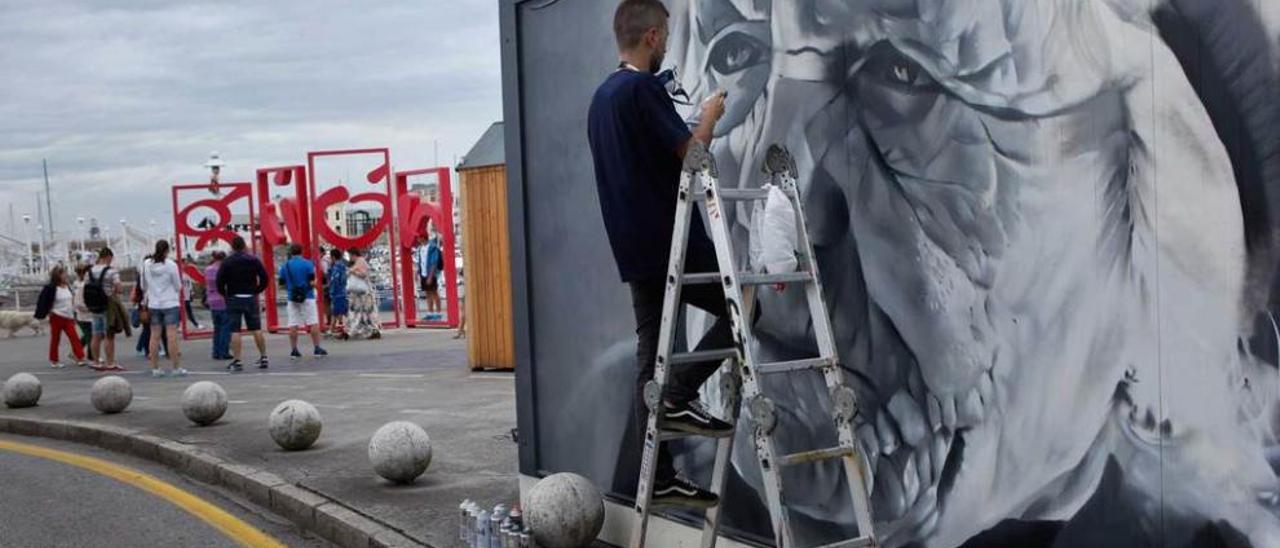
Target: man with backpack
103,285
298,276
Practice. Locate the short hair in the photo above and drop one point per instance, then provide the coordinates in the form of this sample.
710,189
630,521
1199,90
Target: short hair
634,18
336,254
295,249
219,255
105,252
237,243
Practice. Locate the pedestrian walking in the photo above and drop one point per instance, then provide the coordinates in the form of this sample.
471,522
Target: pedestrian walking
57,303
161,293
298,276
188,292
84,318
430,262
217,308
335,287
102,286
241,278
364,300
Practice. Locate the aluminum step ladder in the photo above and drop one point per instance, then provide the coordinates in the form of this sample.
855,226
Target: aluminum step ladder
699,184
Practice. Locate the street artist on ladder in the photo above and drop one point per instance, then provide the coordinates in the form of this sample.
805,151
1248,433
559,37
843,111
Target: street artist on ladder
638,143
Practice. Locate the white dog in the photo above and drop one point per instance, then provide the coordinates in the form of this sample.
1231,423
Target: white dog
15,321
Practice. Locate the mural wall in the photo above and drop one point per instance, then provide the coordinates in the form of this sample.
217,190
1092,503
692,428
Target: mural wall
1047,230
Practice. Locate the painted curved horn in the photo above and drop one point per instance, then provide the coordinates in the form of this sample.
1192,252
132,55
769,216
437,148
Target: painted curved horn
1228,57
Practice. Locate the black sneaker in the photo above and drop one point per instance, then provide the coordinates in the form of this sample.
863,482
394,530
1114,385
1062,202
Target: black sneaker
295,354
692,418
235,366
678,491
262,363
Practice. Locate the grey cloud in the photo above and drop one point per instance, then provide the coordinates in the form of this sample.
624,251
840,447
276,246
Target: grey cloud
128,98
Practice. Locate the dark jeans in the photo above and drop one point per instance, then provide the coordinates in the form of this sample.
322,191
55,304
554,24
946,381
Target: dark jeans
86,336
685,379
144,337
221,334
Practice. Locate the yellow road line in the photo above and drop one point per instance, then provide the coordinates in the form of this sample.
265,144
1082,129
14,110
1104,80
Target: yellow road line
233,528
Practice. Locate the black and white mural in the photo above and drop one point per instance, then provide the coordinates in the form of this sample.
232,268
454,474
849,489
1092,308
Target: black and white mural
1047,230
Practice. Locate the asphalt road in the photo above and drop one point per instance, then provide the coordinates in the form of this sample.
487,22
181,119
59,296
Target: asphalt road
50,503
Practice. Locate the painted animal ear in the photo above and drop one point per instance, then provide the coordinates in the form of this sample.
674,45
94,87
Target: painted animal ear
1225,52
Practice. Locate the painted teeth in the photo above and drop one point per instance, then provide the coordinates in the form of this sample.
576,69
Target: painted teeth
911,423
935,412
970,410
986,388
923,468
910,481
870,445
888,496
949,417
938,455
888,436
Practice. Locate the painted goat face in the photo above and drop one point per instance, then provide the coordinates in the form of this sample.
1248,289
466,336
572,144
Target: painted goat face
1032,243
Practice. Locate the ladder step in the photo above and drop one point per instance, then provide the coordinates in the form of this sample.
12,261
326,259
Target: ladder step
816,455
702,278
851,543
668,435
718,354
795,365
767,279
748,278
740,194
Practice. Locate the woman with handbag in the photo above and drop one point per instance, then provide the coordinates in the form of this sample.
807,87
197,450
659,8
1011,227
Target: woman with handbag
57,303
364,301
161,293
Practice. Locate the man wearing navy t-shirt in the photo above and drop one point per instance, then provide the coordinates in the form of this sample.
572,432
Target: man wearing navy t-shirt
638,143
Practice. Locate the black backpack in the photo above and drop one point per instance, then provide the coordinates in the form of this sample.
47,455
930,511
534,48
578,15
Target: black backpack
95,296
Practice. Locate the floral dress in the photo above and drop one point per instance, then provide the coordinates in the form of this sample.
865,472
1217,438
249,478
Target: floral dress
364,302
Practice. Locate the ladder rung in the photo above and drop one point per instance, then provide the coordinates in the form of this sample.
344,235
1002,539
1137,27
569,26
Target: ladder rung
748,278
766,279
719,354
702,278
740,194
795,365
668,435
816,455
851,543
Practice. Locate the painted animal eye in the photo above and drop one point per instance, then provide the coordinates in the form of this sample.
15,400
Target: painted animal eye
888,65
735,52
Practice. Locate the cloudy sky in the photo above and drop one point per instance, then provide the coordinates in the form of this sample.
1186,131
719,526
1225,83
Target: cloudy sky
127,98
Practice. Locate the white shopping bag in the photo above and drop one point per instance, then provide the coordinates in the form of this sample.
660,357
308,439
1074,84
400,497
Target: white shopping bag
773,234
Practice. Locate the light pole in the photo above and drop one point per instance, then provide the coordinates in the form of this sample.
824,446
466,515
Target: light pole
215,165
44,263
31,260
80,221
124,233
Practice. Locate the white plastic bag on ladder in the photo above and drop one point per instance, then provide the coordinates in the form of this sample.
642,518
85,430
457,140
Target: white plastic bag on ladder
773,234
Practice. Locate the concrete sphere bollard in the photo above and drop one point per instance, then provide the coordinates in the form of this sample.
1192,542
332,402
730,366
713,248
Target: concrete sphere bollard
111,394
204,403
565,511
295,425
22,390
400,451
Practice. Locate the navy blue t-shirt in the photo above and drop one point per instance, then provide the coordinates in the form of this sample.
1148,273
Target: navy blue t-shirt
635,136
